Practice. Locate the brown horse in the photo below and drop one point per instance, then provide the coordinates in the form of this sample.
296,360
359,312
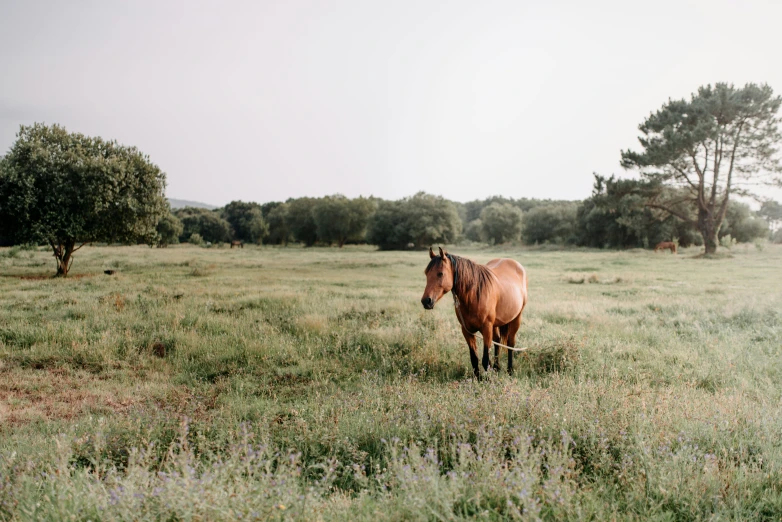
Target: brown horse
237,243
666,245
488,299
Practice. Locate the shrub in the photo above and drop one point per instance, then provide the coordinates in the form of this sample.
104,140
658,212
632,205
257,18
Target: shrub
501,223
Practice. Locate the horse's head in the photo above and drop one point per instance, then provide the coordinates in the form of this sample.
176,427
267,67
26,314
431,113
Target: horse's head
439,278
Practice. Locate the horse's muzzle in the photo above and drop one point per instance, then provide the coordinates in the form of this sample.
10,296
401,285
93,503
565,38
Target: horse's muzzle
428,302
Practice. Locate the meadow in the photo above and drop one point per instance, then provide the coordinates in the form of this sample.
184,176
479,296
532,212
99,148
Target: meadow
273,383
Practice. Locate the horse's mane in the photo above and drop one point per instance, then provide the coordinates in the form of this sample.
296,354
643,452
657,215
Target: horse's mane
470,279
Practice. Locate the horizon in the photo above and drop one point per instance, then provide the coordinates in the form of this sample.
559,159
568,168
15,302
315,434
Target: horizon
265,102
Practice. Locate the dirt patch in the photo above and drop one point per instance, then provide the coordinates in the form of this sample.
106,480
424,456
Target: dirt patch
43,277
54,393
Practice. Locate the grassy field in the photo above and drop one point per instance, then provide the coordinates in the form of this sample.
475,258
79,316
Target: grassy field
269,383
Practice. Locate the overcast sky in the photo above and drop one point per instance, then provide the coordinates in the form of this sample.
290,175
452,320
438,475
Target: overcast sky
265,100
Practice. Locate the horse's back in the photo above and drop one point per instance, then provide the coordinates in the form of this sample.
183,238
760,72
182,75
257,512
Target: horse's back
512,278
508,270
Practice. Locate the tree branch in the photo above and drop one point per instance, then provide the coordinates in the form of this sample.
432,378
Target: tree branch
701,198
78,247
672,212
716,167
724,206
686,178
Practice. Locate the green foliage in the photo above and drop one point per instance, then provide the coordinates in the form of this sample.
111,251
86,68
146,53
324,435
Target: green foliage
771,211
422,220
206,223
742,224
471,210
718,142
67,189
474,231
301,221
501,223
339,219
552,223
616,216
169,228
246,221
277,219
195,239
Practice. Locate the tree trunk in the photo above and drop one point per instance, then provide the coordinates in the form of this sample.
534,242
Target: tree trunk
341,242
708,229
62,253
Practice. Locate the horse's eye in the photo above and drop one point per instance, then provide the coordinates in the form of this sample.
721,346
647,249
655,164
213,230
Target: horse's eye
439,274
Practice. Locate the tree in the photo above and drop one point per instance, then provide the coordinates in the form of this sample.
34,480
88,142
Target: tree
277,219
474,231
267,207
720,142
431,219
301,221
771,211
616,216
387,227
68,190
501,223
246,220
340,219
552,223
169,228
206,223
742,224
422,220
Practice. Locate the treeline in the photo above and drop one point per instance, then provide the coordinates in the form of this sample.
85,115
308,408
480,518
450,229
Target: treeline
615,216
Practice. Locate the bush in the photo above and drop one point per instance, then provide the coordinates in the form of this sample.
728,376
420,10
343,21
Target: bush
169,228
196,239
422,220
206,223
554,223
743,225
474,230
339,219
246,221
501,223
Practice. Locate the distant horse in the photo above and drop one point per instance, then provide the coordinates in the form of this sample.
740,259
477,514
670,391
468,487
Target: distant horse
488,299
666,245
237,243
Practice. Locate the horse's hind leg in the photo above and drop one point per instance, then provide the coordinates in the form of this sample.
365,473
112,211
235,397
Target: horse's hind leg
500,336
513,329
488,334
497,339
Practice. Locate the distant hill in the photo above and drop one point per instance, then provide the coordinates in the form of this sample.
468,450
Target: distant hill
181,203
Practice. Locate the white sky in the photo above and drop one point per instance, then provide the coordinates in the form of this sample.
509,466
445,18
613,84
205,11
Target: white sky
265,100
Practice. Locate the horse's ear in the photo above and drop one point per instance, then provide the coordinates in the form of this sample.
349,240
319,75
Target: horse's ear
431,253
442,253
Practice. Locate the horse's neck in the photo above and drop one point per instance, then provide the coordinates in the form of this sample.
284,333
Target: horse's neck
462,294
463,300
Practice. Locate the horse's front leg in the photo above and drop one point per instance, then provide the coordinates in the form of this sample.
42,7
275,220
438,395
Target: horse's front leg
488,334
473,345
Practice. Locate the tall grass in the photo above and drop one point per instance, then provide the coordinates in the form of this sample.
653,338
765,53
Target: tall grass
308,384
